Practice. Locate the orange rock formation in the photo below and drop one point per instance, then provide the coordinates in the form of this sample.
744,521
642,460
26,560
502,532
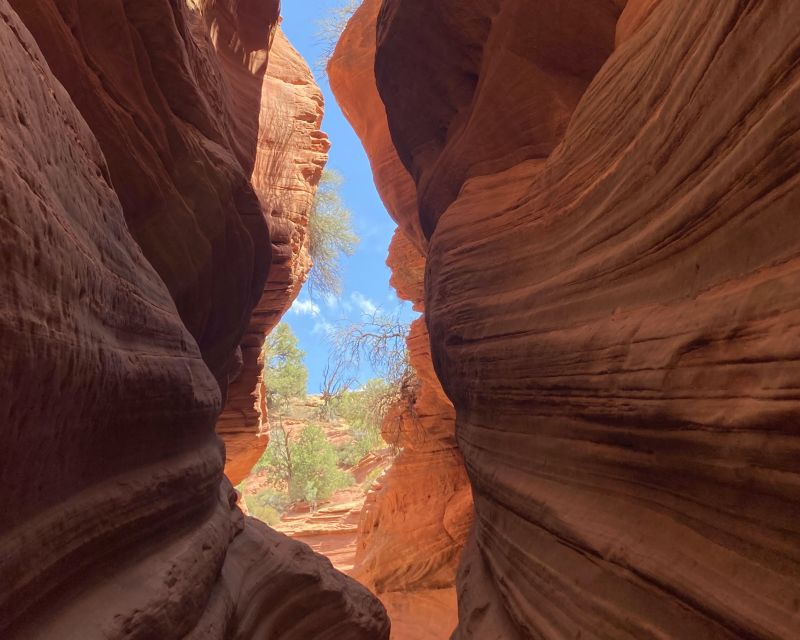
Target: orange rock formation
133,251
610,201
291,154
416,519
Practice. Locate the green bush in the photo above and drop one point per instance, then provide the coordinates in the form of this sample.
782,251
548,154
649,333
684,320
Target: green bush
330,236
363,412
366,439
267,506
275,459
315,472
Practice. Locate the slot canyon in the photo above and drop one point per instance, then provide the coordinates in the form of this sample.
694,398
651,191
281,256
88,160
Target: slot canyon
597,209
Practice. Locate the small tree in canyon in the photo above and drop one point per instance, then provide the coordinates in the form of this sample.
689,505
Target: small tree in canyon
330,236
336,381
285,375
380,340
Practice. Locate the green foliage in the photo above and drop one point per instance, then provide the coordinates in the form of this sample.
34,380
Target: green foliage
366,439
330,236
285,375
275,460
363,410
372,476
267,505
364,406
315,472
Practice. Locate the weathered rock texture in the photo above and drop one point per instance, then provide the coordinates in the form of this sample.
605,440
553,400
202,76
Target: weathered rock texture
132,251
611,292
416,519
291,154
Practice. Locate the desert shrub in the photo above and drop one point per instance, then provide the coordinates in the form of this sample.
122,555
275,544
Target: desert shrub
315,472
330,236
372,476
366,439
276,459
330,28
267,505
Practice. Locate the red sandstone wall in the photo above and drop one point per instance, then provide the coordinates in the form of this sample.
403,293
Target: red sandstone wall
134,250
290,155
611,296
416,519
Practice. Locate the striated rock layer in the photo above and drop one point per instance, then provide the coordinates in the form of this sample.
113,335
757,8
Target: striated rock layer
610,202
291,154
416,518
132,251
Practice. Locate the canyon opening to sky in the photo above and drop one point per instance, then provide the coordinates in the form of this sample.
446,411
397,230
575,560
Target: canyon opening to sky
400,320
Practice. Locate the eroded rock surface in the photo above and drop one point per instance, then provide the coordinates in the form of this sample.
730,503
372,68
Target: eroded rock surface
132,251
611,292
291,153
417,516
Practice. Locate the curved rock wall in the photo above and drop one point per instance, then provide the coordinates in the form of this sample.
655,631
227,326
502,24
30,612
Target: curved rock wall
611,292
132,251
416,518
291,154
137,77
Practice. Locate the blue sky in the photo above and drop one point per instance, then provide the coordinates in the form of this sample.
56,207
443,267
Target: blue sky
365,274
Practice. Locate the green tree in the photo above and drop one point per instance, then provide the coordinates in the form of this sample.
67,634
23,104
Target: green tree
315,471
363,410
277,457
285,375
330,236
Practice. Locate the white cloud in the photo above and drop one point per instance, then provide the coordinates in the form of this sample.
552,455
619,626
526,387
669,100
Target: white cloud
323,327
367,306
305,308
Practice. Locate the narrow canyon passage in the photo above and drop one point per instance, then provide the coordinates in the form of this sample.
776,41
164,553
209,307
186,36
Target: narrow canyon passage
591,428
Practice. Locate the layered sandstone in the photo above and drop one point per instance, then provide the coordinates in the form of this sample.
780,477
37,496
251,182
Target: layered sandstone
416,518
147,90
611,291
291,154
133,251
206,107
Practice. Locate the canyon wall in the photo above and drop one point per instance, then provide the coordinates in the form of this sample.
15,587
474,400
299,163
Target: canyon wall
291,154
416,518
133,250
609,194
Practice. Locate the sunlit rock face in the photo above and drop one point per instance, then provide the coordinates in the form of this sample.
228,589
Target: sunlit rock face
133,249
291,154
610,196
417,516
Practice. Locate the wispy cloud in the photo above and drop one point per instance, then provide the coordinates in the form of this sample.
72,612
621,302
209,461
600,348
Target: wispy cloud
305,308
323,328
364,304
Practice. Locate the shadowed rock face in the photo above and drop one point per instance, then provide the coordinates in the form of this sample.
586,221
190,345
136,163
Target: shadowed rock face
188,106
611,292
291,154
132,251
416,518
